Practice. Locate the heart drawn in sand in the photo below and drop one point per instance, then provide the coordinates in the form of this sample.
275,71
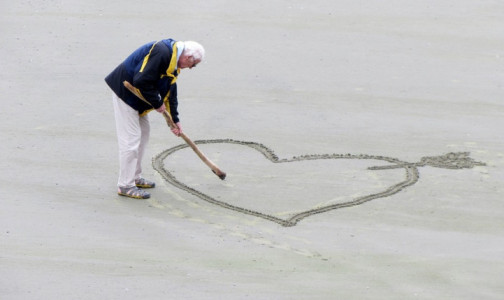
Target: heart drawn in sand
457,160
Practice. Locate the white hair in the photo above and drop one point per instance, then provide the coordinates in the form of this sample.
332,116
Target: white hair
194,49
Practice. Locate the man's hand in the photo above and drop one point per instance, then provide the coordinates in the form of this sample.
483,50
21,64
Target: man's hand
161,109
177,130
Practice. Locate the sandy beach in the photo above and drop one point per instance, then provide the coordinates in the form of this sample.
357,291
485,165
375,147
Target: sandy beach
363,145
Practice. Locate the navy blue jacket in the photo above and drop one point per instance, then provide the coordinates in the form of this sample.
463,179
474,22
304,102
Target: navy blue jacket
152,70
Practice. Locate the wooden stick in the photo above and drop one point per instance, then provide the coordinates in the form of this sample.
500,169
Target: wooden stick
172,125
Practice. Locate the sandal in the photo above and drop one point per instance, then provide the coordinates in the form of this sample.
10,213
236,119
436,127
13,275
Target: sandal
133,192
144,183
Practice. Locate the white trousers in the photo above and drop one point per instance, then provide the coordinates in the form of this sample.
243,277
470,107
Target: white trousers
133,135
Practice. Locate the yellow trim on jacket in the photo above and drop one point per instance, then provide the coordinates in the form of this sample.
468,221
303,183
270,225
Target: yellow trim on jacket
169,73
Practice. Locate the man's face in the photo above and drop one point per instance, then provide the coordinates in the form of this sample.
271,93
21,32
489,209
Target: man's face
187,61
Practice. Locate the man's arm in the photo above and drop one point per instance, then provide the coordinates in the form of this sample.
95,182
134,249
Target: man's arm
147,78
172,104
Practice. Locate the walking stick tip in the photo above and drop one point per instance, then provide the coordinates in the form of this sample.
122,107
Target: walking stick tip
220,174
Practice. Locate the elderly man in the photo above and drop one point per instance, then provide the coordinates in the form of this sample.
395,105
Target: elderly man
153,69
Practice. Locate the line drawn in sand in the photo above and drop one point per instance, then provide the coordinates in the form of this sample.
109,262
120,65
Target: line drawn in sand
452,160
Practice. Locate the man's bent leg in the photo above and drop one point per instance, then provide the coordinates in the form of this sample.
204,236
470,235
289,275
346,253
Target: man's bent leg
129,135
144,140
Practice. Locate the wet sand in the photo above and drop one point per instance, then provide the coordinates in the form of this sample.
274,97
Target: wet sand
362,143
